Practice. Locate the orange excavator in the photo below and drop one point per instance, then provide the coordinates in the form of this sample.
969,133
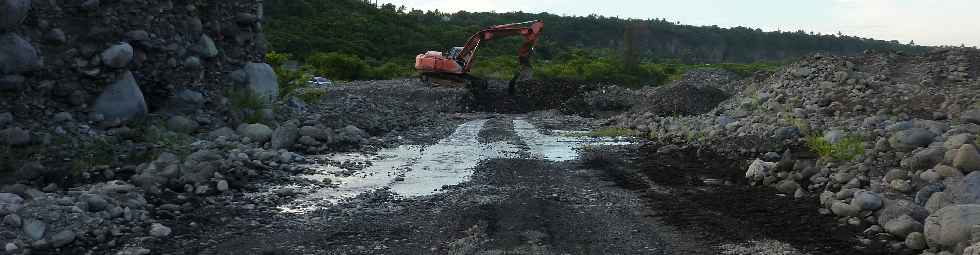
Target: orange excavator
452,68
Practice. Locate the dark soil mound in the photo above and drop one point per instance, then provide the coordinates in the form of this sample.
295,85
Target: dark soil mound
681,99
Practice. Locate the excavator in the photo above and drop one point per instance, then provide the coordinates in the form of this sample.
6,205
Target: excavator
452,68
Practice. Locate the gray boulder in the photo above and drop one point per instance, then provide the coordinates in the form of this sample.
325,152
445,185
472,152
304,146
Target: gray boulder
182,124
902,226
916,241
62,238
122,100
893,209
351,134
224,131
971,116
15,136
784,133
965,190
205,46
12,13
262,80
908,140
257,132
967,158
34,229
17,55
958,140
118,56
285,136
951,226
924,158
159,230
866,200
10,203
844,209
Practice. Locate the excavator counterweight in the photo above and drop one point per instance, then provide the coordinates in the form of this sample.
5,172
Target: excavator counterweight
452,68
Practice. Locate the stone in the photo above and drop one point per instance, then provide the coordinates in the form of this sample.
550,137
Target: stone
10,247
223,131
62,117
96,203
285,136
947,172
159,230
833,136
15,136
308,140
929,176
958,140
910,139
787,186
192,62
181,124
122,100
924,158
222,185
922,196
17,55
866,200
314,132
916,241
965,190
262,80
894,208
785,133
951,226
938,200
34,229
246,18
118,56
971,116
205,46
901,186
759,169
6,118
351,134
10,203
895,174
902,226
56,36
12,13
967,158
134,251
62,238
844,209
257,132
137,35
12,220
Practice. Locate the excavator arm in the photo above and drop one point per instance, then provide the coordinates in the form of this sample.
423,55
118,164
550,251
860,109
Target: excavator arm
530,30
459,61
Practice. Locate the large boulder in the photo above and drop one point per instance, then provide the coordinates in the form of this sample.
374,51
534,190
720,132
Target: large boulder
892,209
285,136
118,56
182,124
205,46
967,158
902,226
12,13
262,80
17,55
910,139
10,203
122,100
951,226
759,169
971,116
15,136
867,200
965,190
257,132
925,158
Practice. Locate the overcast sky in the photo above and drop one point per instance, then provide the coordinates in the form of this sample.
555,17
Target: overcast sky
928,22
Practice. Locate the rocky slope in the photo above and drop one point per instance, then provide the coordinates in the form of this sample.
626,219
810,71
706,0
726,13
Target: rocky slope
884,140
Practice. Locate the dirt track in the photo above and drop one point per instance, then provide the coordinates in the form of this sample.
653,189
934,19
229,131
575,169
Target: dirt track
616,200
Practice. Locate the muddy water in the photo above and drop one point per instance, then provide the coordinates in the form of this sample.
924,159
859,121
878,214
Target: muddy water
416,170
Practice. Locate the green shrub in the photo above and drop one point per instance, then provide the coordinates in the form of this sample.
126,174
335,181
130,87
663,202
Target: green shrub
245,99
847,149
339,66
312,95
614,132
92,153
168,141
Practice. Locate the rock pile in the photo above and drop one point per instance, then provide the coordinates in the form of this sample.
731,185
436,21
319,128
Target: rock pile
895,139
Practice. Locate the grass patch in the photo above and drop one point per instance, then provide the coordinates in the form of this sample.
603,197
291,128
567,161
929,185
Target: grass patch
92,153
248,103
614,132
312,95
847,149
168,141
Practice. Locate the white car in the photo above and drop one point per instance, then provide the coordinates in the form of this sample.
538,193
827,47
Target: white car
320,82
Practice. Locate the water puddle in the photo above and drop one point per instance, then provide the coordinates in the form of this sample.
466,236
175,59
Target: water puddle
415,170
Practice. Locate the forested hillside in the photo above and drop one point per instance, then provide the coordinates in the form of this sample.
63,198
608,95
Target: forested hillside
351,26
375,42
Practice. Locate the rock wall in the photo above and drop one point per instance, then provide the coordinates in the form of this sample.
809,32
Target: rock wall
105,60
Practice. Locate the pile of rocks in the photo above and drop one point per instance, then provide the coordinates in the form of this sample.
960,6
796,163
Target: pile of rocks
911,123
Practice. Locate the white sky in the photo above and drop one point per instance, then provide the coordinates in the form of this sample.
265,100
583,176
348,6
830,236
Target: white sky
928,22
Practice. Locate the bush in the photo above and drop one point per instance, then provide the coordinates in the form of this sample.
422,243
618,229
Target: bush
289,80
846,149
246,101
339,66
